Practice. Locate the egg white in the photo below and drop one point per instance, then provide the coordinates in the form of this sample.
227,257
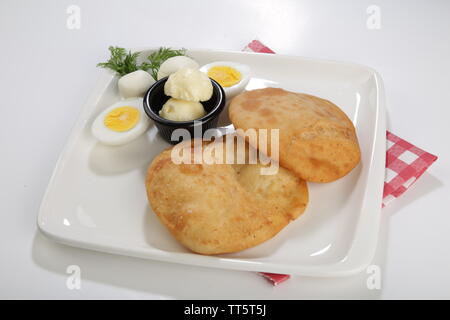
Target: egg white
135,84
174,64
115,138
244,70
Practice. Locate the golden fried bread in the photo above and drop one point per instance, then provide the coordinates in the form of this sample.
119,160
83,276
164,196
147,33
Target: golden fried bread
222,208
317,140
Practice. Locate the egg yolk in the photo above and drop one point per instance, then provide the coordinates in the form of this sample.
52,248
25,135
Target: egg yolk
122,118
224,75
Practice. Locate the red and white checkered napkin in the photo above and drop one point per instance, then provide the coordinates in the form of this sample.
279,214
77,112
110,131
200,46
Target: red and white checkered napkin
405,163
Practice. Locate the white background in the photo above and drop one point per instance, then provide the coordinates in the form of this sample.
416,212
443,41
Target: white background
47,72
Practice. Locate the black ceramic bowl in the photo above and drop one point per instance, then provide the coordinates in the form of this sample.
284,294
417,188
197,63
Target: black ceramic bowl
155,98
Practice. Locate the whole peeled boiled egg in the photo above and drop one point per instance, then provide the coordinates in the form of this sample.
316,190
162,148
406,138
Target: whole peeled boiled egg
232,76
174,64
121,122
135,84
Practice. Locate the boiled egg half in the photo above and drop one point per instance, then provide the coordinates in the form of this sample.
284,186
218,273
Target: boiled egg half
121,122
232,76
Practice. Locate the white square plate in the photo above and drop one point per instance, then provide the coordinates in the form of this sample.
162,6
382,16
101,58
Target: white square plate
96,197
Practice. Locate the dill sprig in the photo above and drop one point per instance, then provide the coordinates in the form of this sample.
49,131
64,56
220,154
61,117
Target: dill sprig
158,57
123,62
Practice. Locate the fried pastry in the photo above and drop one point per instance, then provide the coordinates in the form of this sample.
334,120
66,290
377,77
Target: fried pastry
317,141
222,208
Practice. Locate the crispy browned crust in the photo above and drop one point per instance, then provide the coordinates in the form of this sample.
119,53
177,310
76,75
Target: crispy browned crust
318,141
222,208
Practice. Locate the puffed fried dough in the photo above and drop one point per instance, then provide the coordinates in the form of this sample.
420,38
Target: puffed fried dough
222,208
318,141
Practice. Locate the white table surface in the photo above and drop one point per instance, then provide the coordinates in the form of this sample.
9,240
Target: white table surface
47,72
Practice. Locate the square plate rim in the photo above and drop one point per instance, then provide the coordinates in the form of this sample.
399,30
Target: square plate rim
359,255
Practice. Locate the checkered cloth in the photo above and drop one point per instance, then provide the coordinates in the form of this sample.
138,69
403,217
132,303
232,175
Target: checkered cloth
405,163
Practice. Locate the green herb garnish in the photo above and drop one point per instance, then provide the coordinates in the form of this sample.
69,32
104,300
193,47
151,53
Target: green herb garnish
123,62
158,57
